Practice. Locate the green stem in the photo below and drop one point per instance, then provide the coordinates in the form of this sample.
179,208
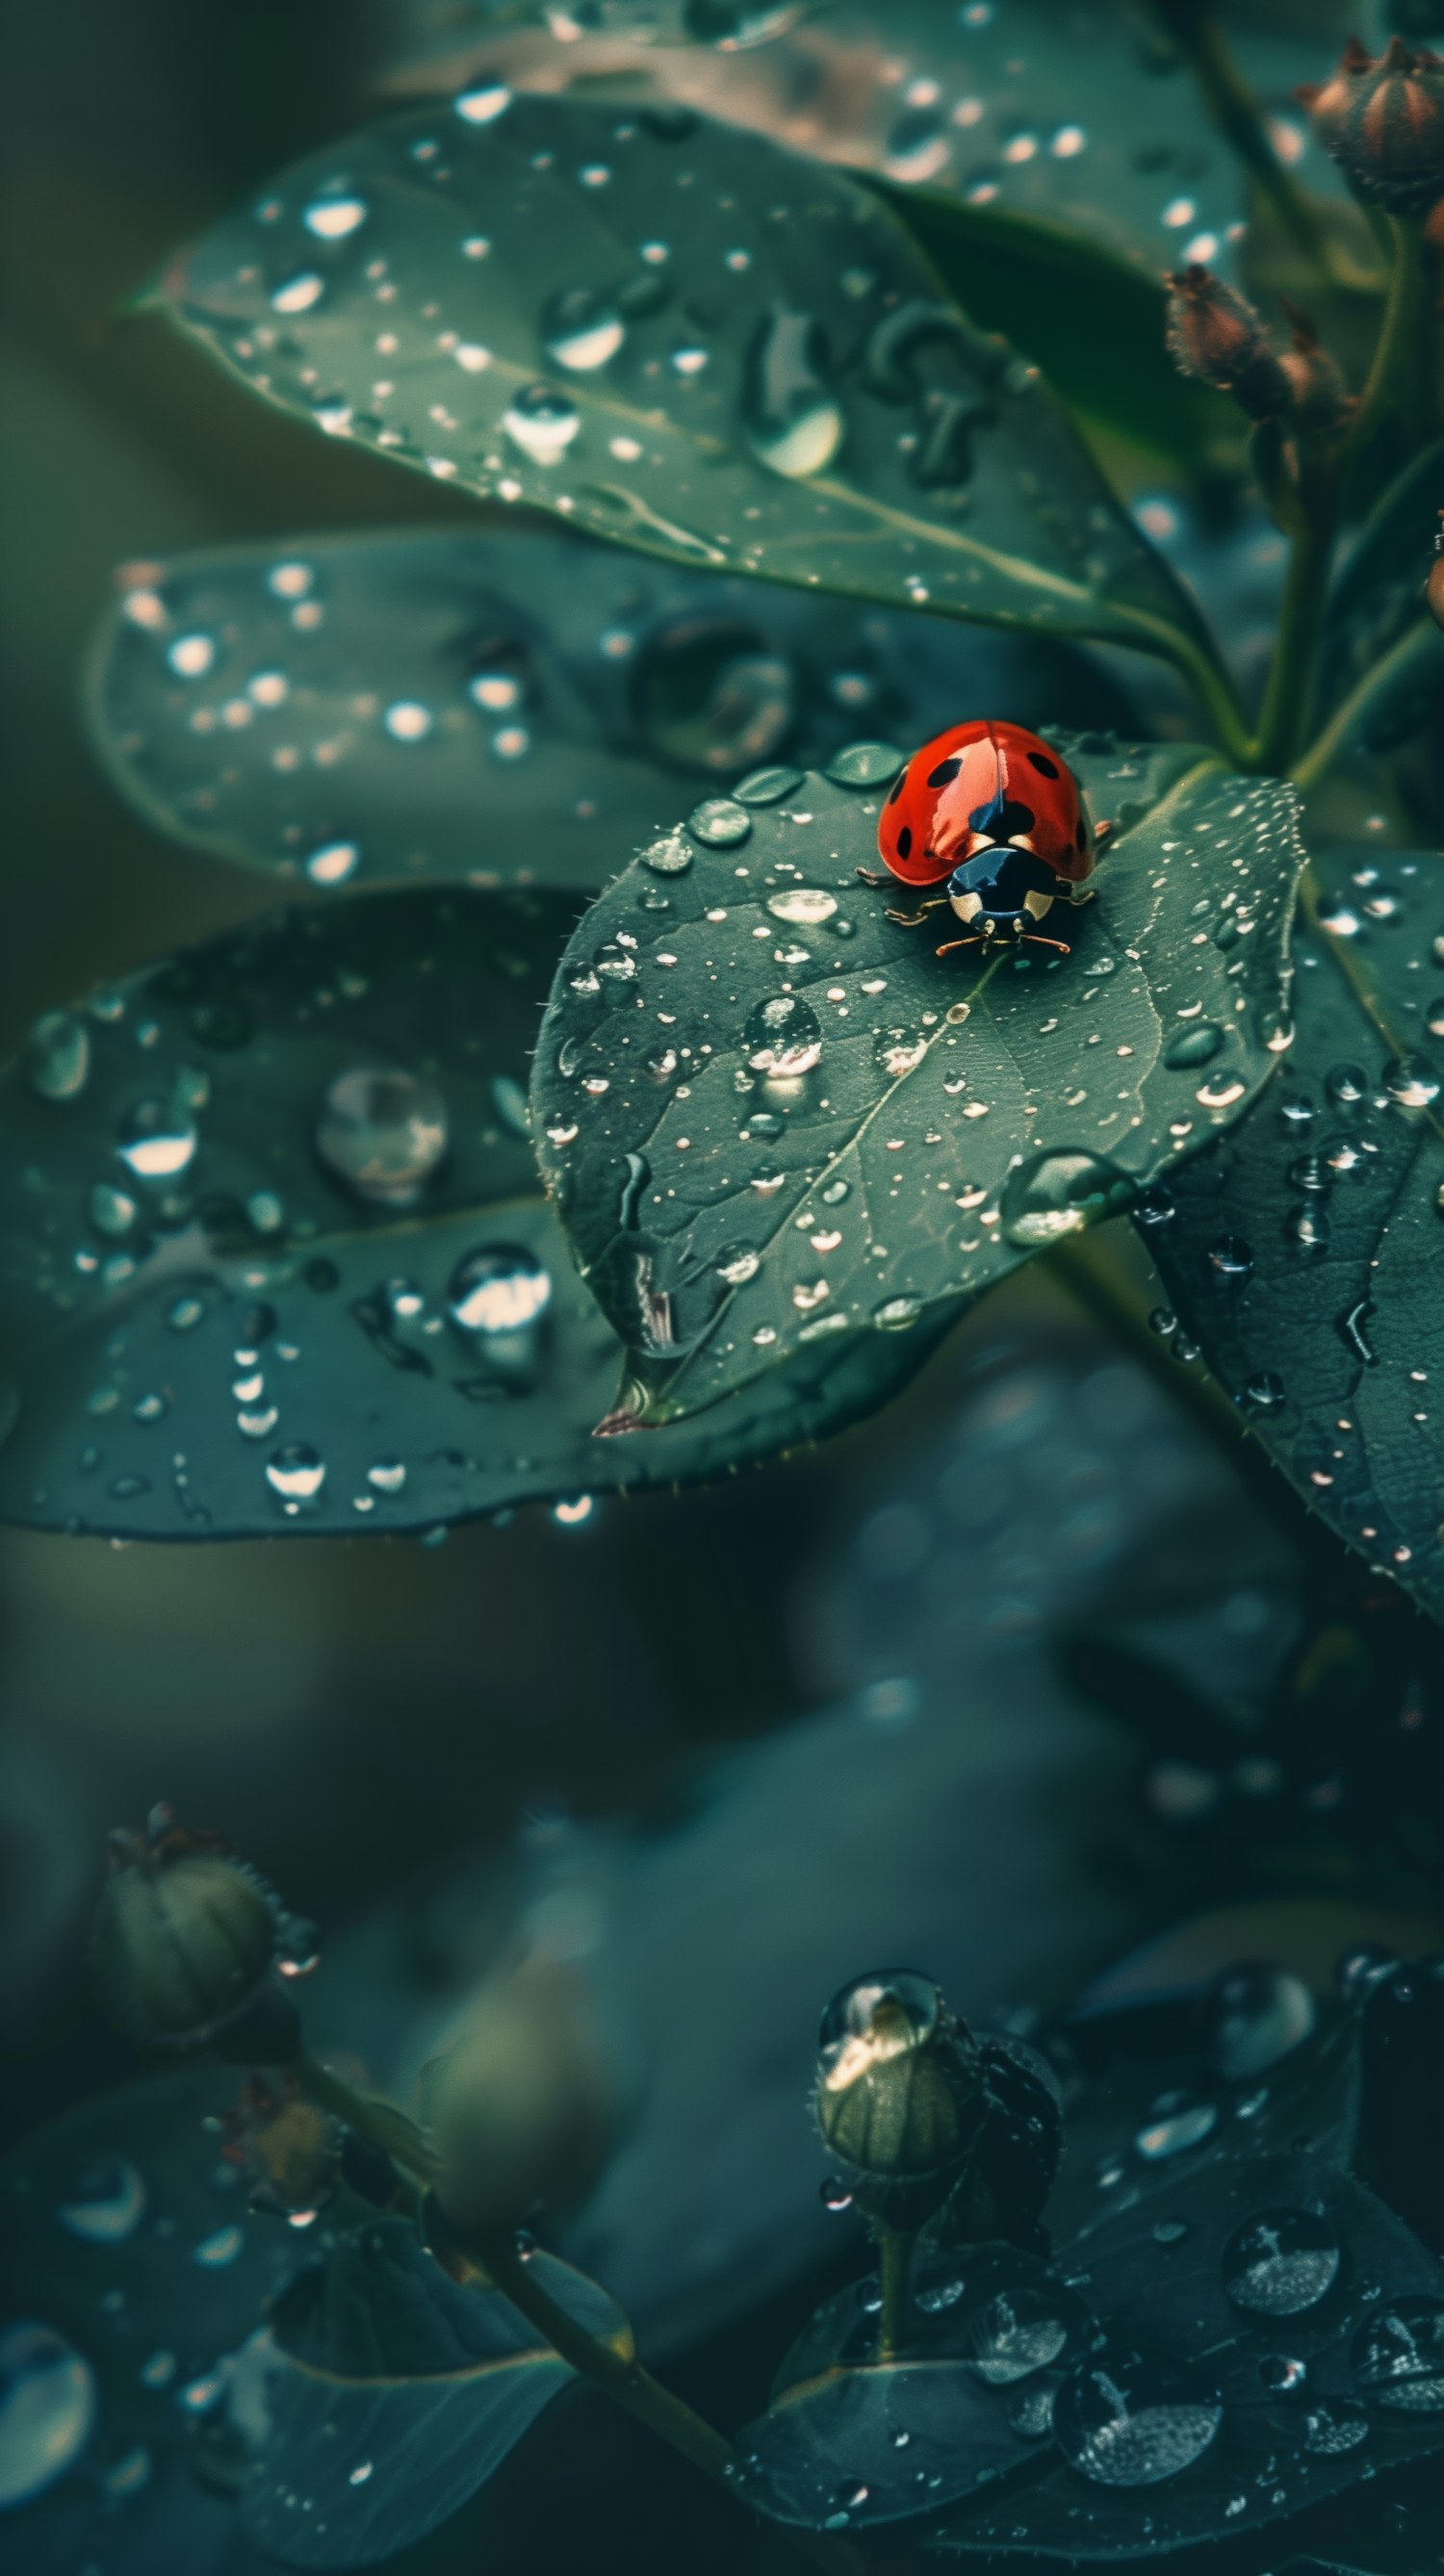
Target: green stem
1284,716
1414,645
1234,110
1208,677
1406,334
611,2367
895,2263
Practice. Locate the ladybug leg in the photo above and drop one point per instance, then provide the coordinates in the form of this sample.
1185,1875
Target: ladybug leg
870,877
1102,832
975,940
1036,939
914,920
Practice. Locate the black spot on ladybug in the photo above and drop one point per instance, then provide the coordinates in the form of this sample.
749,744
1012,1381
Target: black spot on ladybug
945,772
1081,836
899,783
1040,761
904,843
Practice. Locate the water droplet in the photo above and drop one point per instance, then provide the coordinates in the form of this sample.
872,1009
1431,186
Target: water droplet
1333,2426
297,294
802,905
333,862
794,424
1398,2357
1054,1194
880,2014
1231,1260
1412,1082
542,423
48,2410
1030,2410
1281,2262
669,856
1175,2129
865,764
1347,1085
382,1132
110,1211
105,2204
768,787
498,1291
484,104
1127,2420
719,823
157,1141
192,656
1282,2374
1193,1046
214,2252
581,330
57,1056
1017,2332
1257,2015
296,1473
896,1313
1308,1230
782,1037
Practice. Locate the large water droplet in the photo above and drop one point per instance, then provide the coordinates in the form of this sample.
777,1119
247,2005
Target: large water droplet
296,1473
1017,2332
865,764
1281,2262
1257,2014
803,904
782,1036
48,2408
883,2013
157,1141
104,2204
498,1291
1412,1081
1054,1194
1193,1046
794,423
382,1133
581,330
719,823
542,423
335,218
1130,2420
57,1056
1398,2357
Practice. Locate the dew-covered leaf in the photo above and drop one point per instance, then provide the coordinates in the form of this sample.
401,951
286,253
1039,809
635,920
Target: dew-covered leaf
273,1252
133,2268
501,708
677,335
771,1115
380,2396
1303,1251
1272,2335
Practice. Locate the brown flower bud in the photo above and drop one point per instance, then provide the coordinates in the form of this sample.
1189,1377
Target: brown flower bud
1216,335
519,2106
188,1941
1382,119
1434,587
1319,398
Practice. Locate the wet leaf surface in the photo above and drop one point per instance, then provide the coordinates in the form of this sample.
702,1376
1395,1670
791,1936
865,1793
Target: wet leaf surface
380,2396
770,1115
132,2267
1321,1322
501,708
274,1256
677,335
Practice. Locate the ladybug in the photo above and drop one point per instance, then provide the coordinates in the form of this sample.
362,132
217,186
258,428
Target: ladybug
991,809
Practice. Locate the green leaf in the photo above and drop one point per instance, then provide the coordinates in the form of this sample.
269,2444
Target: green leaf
772,1116
240,1301
1303,1252
499,708
381,2396
1065,297
1378,602
674,334
132,2267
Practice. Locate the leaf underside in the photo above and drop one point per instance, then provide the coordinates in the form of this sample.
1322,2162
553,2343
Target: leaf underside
770,1116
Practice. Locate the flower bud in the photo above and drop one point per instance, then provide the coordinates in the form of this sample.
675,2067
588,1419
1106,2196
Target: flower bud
519,2106
1434,587
186,1943
1217,336
289,2148
898,2099
1318,398
1382,119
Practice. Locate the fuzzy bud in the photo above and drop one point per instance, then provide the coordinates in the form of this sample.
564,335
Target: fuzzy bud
1382,119
1434,587
898,2100
187,1943
1217,335
519,2106
1319,398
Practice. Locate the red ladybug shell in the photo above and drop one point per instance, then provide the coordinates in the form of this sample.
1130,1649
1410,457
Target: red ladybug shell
981,784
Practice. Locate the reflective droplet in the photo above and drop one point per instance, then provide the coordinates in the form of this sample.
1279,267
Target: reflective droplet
57,1056
719,823
335,218
1412,1082
501,1289
48,2410
333,862
1308,1230
1055,1194
111,1211
803,905
1128,2420
484,104
542,423
1335,2425
882,2013
668,856
1231,1260
1017,2332
388,1476
105,2204
768,786
1257,2014
295,1472
383,1133
782,1036
794,423
1281,2262
581,330
157,1141
865,764
1398,2357
1346,1085
1174,2130
1193,1046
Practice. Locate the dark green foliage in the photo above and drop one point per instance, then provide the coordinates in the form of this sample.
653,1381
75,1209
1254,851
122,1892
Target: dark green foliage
863,1128
1303,1251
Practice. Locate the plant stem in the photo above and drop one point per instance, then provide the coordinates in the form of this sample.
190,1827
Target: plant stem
1288,696
495,2253
1206,674
895,2263
1234,110
1416,644
1395,375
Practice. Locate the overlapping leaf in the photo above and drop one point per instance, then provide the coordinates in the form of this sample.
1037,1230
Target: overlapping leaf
674,334
501,708
274,1256
1377,619
771,1116
1303,1253
380,2396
